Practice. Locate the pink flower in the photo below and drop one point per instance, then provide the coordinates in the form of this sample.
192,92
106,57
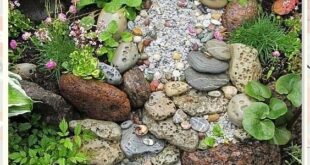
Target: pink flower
48,20
62,17
73,9
50,65
276,53
26,36
218,35
13,44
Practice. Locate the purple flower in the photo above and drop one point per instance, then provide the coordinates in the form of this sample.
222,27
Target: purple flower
13,44
276,53
48,20
218,35
72,9
62,17
26,36
50,65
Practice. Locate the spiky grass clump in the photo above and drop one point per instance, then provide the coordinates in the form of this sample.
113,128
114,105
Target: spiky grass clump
266,35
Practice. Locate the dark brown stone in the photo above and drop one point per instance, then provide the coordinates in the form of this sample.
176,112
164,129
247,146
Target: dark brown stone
254,153
97,99
136,87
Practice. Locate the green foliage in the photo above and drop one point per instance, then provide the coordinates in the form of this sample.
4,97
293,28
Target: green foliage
268,121
58,48
113,6
19,101
16,55
87,22
207,142
35,142
83,64
295,154
18,23
257,90
217,131
290,85
266,35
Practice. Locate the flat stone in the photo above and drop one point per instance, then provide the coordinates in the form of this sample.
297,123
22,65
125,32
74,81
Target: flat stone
204,64
159,106
215,93
205,82
105,18
96,99
126,56
134,145
179,117
229,91
112,75
218,49
175,88
106,130
236,107
214,4
184,139
136,87
101,152
244,65
25,70
199,124
198,104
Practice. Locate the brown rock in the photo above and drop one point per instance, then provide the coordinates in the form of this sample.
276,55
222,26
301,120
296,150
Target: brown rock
136,87
236,14
97,99
254,153
214,117
137,31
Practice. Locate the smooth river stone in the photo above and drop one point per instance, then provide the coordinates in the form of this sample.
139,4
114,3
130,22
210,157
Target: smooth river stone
133,145
175,88
126,56
218,49
204,64
236,108
214,4
179,116
112,75
199,124
205,82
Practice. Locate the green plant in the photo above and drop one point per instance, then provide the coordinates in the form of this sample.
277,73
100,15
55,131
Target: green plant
19,101
209,141
261,118
52,41
266,35
34,142
83,64
18,23
111,6
295,153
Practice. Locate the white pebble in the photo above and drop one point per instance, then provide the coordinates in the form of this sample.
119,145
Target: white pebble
137,39
215,22
206,23
143,13
157,57
157,75
179,65
208,16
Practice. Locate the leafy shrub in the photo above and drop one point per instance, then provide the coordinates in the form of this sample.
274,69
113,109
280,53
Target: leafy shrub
112,6
83,64
266,35
18,23
35,142
261,119
52,41
19,101
209,141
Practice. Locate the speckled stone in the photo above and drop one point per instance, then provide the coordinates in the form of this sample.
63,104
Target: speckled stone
159,106
133,145
214,4
112,75
204,64
235,108
25,70
104,129
175,88
205,82
199,124
197,103
244,65
126,56
229,91
184,139
218,49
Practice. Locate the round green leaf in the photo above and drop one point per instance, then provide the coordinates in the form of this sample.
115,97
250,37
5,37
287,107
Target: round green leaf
277,108
87,22
103,36
259,129
285,84
126,37
112,6
133,3
112,27
256,110
295,96
257,90
281,136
